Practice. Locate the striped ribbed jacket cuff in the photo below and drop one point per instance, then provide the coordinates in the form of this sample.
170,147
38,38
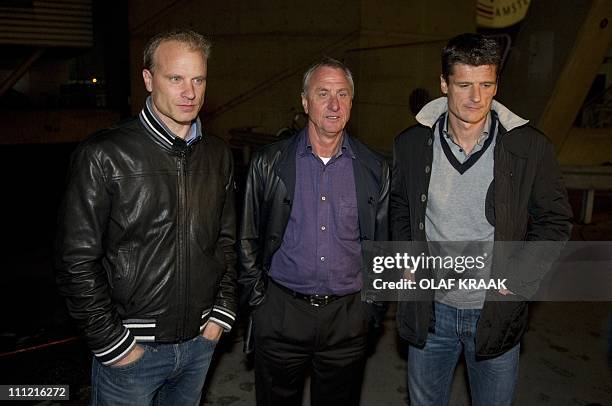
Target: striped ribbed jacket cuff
223,317
117,350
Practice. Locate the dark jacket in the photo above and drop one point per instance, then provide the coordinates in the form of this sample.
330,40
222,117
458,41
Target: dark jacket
145,240
269,194
529,203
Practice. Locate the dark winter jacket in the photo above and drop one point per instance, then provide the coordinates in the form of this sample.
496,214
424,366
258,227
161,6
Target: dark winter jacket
529,203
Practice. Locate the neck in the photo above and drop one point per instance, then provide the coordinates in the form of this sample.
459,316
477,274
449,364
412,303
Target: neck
324,145
181,132
466,135
179,129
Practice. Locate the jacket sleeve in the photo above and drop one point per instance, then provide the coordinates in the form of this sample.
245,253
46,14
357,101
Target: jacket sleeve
377,309
250,249
399,201
226,302
382,211
549,228
80,277
549,206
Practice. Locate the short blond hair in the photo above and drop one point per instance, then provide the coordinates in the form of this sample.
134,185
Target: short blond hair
194,41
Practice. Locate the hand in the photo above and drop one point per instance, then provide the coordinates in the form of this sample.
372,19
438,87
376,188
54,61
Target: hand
505,292
212,331
409,275
132,356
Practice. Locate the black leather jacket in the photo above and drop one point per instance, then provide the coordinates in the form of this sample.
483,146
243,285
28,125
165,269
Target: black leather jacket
269,193
145,248
529,203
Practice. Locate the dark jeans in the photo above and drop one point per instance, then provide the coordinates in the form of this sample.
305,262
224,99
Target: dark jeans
166,374
431,369
292,337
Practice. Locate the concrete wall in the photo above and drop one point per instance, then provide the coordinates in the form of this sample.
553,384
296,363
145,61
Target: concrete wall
539,54
261,49
400,46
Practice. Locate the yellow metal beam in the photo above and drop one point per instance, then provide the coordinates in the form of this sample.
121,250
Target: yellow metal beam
592,42
586,146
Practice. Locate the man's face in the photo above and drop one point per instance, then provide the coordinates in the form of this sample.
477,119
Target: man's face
328,101
470,90
177,84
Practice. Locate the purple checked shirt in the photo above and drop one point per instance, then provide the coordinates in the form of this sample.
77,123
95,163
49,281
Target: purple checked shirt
320,252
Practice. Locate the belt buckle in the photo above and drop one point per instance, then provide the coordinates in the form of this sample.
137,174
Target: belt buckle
318,300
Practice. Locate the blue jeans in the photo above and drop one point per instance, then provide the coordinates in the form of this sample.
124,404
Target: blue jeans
166,374
431,369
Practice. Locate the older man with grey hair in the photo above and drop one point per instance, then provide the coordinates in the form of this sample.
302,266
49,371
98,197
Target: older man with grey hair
310,201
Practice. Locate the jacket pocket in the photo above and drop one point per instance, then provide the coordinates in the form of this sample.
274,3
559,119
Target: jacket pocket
125,262
123,274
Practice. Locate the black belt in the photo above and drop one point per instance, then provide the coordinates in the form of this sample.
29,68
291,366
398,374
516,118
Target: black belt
313,300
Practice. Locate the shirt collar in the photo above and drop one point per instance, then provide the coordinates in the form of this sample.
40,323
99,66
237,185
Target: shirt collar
304,146
159,130
483,137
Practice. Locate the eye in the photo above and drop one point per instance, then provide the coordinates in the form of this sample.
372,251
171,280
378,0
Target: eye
343,94
198,81
463,85
322,93
175,79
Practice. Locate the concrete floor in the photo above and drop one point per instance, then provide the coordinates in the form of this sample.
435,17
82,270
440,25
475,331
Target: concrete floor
563,362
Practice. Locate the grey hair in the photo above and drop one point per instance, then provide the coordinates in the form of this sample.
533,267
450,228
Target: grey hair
330,63
193,40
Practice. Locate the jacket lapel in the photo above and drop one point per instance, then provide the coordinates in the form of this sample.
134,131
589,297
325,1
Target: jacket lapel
285,169
366,171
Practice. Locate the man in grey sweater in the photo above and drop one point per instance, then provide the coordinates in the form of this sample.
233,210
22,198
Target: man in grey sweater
472,171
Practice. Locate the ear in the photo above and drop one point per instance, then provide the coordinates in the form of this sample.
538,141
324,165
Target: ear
443,85
147,76
305,103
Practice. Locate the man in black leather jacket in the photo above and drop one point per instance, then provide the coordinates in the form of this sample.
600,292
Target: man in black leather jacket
145,253
310,201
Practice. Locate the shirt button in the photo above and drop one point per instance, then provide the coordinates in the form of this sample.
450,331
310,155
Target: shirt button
427,169
322,259
429,141
421,226
323,198
423,197
322,228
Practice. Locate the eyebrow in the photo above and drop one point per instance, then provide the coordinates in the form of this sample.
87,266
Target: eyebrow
467,82
173,75
327,89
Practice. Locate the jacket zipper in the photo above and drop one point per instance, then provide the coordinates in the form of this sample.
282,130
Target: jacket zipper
182,243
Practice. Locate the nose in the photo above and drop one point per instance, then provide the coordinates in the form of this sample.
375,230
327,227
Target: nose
475,93
188,91
334,104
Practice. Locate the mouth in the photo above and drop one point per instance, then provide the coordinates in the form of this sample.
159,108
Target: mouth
332,117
